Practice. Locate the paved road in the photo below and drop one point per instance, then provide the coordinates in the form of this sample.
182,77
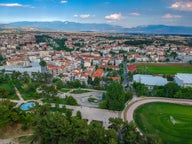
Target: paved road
129,110
126,78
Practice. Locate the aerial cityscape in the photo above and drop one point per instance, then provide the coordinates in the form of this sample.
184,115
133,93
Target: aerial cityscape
96,72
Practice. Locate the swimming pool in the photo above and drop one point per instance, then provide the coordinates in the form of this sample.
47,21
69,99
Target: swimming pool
27,106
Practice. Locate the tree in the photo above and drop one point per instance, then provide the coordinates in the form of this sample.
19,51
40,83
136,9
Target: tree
116,124
128,95
79,132
48,91
96,82
8,114
89,80
141,89
115,96
58,83
96,133
174,54
184,93
171,89
43,65
190,62
52,128
70,100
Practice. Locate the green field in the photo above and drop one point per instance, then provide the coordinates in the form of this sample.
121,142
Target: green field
10,89
161,69
171,123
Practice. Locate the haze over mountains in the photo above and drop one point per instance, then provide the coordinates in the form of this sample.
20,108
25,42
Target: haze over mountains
93,27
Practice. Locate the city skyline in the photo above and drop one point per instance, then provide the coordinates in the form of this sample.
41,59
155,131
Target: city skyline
126,13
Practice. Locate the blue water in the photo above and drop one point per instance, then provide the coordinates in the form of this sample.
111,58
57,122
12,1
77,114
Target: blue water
27,106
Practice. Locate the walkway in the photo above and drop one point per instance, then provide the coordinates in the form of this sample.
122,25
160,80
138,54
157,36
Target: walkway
92,113
18,94
131,107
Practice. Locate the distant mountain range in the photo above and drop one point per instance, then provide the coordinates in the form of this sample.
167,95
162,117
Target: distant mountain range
92,27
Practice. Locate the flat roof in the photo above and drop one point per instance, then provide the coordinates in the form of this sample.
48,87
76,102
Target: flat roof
186,78
150,80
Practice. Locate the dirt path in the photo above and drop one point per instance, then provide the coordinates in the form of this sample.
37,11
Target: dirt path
129,110
12,140
18,93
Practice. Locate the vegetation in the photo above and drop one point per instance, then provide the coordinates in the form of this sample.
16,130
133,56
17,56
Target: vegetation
64,90
61,45
170,90
93,100
138,42
68,100
79,91
168,123
115,97
10,115
42,63
6,88
74,84
160,69
58,128
121,71
42,38
2,60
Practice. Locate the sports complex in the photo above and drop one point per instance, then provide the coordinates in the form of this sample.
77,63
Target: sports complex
158,68
168,121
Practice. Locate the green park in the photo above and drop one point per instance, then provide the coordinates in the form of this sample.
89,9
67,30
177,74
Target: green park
165,122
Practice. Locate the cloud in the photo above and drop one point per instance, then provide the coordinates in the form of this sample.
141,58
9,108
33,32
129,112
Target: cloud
14,5
115,16
182,6
75,15
83,16
170,16
64,1
135,14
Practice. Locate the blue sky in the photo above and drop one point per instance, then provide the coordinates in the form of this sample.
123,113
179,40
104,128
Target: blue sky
126,13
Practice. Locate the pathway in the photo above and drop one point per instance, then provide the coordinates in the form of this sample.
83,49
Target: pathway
18,94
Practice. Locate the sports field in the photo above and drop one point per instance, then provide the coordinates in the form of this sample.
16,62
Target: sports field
171,123
164,68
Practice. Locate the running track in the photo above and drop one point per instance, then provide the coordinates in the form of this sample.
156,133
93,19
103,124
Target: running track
129,110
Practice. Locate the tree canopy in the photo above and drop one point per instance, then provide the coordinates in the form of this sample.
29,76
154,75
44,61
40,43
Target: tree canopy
115,96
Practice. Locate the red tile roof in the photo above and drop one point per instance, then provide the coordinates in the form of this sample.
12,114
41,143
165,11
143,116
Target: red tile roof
98,73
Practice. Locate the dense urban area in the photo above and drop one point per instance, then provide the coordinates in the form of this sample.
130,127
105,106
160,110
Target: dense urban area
83,88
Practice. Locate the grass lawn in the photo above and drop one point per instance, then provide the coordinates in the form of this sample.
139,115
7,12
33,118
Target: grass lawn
171,123
164,69
56,100
64,90
79,91
10,89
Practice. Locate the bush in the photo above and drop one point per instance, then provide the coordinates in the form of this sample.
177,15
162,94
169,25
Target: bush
93,100
70,100
24,127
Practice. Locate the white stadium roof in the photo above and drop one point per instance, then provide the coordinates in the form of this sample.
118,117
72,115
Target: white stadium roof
186,78
150,80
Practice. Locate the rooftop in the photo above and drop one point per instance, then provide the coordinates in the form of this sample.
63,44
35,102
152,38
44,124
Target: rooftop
150,80
186,78
98,73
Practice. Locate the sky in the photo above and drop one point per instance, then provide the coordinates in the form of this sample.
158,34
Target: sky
126,13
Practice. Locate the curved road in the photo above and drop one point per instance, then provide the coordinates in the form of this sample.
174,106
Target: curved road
129,110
